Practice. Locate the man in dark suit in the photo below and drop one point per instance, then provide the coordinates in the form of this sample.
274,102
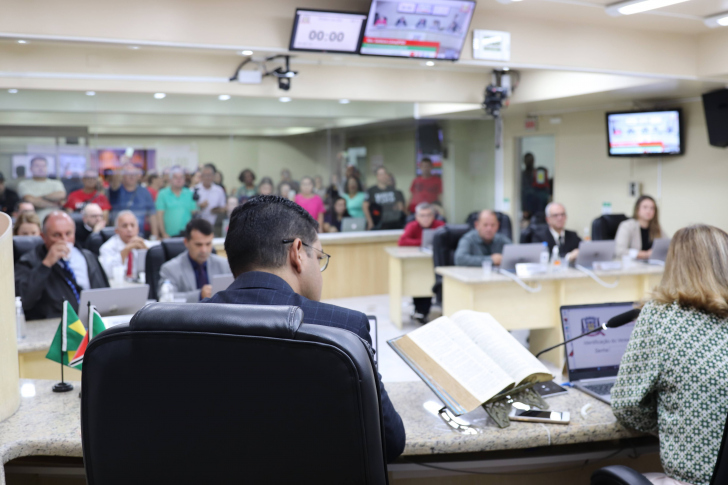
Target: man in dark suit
554,233
56,270
277,259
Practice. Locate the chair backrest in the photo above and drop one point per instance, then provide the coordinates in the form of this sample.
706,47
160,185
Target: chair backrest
157,256
24,244
504,222
605,226
445,242
528,233
96,240
196,393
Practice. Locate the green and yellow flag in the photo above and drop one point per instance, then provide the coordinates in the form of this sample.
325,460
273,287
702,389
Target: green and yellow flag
68,337
95,326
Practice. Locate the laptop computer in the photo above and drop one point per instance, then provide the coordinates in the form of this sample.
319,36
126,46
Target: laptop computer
591,252
353,224
113,301
428,236
659,249
220,282
520,253
593,361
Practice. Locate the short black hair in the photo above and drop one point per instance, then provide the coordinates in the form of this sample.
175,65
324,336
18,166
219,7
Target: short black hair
198,225
241,177
211,166
426,160
258,228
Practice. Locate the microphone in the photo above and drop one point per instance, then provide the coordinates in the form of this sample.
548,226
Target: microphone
614,322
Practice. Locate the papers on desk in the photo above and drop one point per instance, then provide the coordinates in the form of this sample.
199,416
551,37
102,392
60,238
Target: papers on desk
115,320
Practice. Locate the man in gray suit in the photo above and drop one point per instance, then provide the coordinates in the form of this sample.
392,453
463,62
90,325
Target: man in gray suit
191,272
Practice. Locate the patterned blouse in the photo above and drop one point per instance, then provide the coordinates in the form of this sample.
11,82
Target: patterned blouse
673,380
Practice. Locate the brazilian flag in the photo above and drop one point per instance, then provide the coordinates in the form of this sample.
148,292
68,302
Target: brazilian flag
68,337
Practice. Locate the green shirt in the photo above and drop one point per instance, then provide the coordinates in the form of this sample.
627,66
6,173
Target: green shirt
177,209
673,380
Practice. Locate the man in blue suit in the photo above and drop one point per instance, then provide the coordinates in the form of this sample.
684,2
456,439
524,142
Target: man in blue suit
276,257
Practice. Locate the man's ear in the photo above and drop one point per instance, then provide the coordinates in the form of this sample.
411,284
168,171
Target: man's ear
295,256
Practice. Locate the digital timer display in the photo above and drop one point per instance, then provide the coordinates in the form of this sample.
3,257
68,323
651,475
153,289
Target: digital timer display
319,31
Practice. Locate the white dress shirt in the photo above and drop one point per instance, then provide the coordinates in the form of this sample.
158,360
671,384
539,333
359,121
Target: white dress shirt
80,268
215,196
556,236
110,256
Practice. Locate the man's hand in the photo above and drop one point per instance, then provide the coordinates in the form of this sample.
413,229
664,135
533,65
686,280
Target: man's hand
204,204
644,254
99,225
58,251
135,243
206,291
497,259
572,255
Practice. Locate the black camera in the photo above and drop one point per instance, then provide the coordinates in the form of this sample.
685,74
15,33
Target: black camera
495,96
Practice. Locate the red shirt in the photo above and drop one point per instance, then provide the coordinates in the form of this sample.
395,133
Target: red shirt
153,193
425,190
78,200
413,233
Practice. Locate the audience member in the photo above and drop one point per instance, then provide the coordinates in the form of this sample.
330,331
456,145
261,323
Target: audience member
121,250
671,379
355,197
248,189
639,232
211,197
195,178
93,221
285,191
426,187
190,273
45,194
318,187
125,193
56,270
8,198
27,224
89,194
555,234
412,236
483,243
286,178
277,259
336,213
219,181
310,201
25,207
384,204
175,205
266,186
155,183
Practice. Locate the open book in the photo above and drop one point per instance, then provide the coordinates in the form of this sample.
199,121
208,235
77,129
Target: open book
468,359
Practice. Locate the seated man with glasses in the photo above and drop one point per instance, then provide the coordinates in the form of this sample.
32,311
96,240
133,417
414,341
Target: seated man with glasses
276,257
556,235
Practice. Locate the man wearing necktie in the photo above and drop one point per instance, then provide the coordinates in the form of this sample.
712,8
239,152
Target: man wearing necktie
123,248
555,233
56,270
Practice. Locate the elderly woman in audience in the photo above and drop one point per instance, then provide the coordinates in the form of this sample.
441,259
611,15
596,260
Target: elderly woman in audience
27,224
335,214
311,202
673,379
636,235
248,189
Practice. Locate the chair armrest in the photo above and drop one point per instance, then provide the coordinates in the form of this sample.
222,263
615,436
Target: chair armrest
618,475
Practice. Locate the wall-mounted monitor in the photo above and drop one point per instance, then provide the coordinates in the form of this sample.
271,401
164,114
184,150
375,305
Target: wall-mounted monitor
434,29
327,31
655,133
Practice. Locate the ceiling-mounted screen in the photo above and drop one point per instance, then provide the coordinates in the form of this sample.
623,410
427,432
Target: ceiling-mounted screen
435,29
326,31
645,133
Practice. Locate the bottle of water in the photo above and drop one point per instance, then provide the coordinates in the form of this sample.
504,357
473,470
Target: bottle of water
19,318
545,254
166,294
587,233
555,259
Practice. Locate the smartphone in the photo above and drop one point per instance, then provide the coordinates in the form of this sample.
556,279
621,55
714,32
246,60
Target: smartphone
550,388
539,416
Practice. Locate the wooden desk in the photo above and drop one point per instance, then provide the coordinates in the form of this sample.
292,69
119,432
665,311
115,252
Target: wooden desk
411,273
515,308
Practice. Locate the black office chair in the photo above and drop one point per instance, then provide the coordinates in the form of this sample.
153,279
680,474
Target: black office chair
504,220
157,256
209,393
623,475
528,233
444,243
605,226
24,244
77,218
96,240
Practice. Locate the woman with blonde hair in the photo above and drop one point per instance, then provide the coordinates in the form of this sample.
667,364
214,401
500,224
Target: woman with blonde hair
639,232
673,379
27,224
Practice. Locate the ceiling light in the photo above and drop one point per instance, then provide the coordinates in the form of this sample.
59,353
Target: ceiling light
159,95
344,101
223,97
429,63
631,7
21,41
284,99
90,93
134,47
246,53
13,91
506,69
720,20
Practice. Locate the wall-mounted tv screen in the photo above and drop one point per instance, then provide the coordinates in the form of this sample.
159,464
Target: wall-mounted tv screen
645,133
326,31
435,29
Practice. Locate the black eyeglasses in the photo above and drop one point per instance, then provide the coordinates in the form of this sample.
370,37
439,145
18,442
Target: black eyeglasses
323,261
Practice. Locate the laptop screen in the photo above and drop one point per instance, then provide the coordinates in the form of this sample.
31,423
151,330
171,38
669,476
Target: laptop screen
597,354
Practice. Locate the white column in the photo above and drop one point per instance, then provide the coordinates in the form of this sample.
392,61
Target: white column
9,391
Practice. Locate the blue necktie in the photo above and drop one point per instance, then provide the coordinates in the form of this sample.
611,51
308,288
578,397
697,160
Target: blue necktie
71,282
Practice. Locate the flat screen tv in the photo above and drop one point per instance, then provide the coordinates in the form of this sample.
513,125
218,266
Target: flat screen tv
655,133
327,31
434,29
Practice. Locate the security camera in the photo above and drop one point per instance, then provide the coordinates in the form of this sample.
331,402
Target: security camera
283,74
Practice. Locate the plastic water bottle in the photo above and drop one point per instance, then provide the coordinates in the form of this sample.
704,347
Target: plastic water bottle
587,233
545,254
19,318
555,259
165,293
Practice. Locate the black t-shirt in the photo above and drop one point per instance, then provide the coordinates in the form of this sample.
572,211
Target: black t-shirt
8,201
646,241
382,205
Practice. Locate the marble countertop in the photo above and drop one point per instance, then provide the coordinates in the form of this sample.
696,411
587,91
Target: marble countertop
408,252
48,423
39,335
476,275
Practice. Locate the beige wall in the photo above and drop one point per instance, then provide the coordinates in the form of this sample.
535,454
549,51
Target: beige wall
692,188
9,391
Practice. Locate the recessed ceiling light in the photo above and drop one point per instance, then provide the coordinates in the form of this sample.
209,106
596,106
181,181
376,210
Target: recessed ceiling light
429,63
134,47
90,93
21,41
246,53
631,7
159,95
223,97
344,101
284,99
720,20
506,68
13,91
